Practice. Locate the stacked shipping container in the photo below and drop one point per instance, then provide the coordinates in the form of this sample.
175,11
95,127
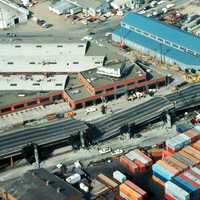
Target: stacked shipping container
180,173
129,191
185,186
136,161
180,141
174,164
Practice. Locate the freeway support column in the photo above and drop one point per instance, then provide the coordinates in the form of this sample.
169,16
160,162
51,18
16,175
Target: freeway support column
82,138
131,130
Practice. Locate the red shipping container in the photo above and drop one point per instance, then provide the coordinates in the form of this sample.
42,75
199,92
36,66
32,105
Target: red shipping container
136,188
130,165
166,153
194,173
169,197
191,182
141,166
170,149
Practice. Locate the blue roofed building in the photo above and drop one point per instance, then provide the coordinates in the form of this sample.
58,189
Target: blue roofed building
165,42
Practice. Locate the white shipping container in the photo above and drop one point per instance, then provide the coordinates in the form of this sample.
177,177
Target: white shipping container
186,138
196,170
191,177
75,178
84,187
119,176
176,191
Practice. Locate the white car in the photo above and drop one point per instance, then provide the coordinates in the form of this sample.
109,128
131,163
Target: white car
108,34
91,109
105,150
59,165
117,152
87,37
142,12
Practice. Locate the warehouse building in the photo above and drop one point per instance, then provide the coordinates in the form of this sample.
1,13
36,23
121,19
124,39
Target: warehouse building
11,14
39,184
64,7
122,4
46,58
33,82
163,41
95,86
93,7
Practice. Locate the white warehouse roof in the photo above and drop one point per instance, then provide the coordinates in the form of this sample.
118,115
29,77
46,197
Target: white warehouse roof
33,82
47,58
9,11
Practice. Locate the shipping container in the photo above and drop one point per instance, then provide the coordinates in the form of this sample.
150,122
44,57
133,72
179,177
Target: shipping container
126,191
107,181
117,175
73,179
158,180
176,191
136,188
140,165
128,164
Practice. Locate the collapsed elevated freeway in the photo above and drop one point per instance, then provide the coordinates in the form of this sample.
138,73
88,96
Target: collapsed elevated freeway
11,143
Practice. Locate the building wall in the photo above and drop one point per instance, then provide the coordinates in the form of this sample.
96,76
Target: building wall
74,104
147,51
29,103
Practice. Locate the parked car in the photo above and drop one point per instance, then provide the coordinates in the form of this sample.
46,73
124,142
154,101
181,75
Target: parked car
117,152
105,150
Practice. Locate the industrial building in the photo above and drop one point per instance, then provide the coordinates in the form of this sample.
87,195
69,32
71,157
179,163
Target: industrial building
93,7
46,58
64,7
33,82
39,184
165,42
11,14
91,87
122,4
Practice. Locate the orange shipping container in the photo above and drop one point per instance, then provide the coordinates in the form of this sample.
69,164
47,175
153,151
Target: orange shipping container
171,169
180,164
136,188
193,151
133,195
173,164
166,153
157,180
194,160
192,134
196,145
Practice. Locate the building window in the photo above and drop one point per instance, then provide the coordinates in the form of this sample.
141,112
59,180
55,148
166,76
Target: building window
58,84
120,86
36,84
140,81
10,63
99,92
38,46
132,83
75,63
13,84
80,45
59,46
17,46
32,63
109,89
